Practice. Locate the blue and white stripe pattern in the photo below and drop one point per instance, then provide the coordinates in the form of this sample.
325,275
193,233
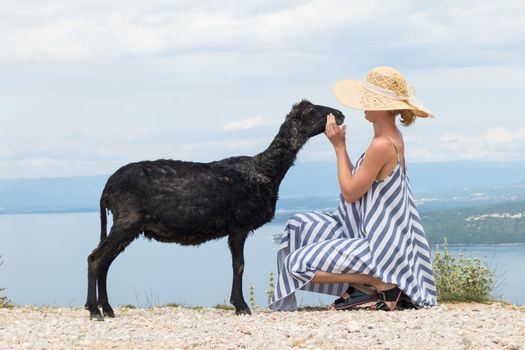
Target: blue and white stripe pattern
380,234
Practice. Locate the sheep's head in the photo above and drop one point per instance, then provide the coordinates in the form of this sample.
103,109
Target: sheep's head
310,119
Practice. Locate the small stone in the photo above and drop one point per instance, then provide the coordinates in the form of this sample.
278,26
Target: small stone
352,326
466,341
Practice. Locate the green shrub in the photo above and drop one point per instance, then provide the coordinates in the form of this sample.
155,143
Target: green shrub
173,305
462,278
253,305
223,307
4,302
271,287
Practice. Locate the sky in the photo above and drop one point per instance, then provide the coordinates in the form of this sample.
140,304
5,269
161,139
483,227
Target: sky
87,86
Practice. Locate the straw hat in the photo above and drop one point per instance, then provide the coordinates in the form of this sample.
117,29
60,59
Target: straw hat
383,89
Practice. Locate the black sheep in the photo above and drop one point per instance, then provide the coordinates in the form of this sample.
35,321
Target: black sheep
191,203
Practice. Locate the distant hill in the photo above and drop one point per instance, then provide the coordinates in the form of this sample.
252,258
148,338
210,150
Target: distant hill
308,185
320,178
490,224
51,194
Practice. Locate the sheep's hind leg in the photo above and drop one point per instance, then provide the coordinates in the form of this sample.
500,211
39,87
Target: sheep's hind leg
93,270
103,302
236,243
98,261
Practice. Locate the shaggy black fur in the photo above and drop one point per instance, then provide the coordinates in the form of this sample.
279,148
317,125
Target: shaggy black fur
191,203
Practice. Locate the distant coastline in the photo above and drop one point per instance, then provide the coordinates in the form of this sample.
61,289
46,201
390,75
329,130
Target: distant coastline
468,202
47,211
478,245
440,224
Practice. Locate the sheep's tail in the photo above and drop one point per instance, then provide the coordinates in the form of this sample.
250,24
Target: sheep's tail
103,221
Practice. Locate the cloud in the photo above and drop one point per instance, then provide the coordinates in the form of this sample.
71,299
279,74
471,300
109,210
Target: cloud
89,85
244,124
159,27
503,135
495,144
84,29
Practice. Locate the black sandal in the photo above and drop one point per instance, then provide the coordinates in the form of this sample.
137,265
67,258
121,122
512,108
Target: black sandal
405,303
356,298
349,291
393,294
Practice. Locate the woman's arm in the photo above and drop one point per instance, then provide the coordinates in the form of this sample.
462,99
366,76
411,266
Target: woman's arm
344,165
377,156
337,136
345,162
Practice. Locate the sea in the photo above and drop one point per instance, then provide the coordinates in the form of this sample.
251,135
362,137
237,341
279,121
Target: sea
45,264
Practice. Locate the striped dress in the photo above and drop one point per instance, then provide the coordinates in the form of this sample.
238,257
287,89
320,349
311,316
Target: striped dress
380,234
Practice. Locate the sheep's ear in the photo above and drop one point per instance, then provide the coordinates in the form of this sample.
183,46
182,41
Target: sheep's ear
302,104
293,112
305,101
299,107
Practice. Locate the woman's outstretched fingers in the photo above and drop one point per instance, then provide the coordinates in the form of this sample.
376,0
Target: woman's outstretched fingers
331,125
331,118
329,129
333,132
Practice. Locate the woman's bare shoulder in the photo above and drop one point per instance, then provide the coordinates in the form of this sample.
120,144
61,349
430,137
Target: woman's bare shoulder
380,145
380,151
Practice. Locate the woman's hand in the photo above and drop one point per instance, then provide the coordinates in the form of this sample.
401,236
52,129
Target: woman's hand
335,133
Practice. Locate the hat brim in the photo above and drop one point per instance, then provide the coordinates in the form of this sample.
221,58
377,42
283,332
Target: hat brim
351,93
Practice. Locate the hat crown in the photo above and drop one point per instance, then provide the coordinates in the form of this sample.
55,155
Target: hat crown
389,79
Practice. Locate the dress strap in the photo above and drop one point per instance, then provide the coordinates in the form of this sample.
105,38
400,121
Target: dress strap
397,153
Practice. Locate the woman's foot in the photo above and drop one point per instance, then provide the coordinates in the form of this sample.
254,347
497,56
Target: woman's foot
388,297
405,303
365,288
352,288
354,299
345,295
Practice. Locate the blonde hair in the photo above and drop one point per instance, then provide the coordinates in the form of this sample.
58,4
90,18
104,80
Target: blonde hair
408,117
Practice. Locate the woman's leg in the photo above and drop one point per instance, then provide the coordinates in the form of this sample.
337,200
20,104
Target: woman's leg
353,278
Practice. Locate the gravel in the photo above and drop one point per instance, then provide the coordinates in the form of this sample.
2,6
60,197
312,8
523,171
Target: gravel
447,326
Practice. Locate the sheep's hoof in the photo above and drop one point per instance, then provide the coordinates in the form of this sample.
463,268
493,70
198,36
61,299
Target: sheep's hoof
243,312
108,312
96,316
94,313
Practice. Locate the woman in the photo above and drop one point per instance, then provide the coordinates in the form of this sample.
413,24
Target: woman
375,238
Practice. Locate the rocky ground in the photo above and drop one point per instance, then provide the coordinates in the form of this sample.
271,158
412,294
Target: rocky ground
448,326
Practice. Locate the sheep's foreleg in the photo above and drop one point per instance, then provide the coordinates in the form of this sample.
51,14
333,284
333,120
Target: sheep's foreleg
236,243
